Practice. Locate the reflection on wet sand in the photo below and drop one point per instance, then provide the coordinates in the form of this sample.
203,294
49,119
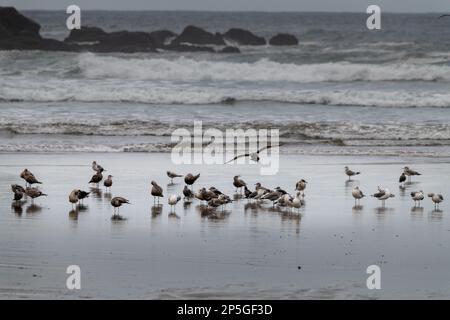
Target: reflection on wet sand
107,196
417,213
117,218
357,209
73,214
96,193
156,210
17,207
381,211
33,208
173,215
436,215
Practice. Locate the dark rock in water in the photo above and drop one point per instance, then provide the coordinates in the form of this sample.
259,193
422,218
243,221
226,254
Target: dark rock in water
161,37
86,34
96,39
244,37
283,39
195,35
125,41
230,49
229,100
187,48
16,24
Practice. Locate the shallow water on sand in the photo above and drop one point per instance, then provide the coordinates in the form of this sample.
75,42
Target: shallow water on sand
249,251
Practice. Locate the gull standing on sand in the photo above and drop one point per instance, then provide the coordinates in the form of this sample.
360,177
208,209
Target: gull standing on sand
387,194
117,203
409,172
272,196
296,202
96,167
417,197
173,200
82,195
29,178
188,194
18,191
173,175
190,179
301,186
436,198
34,193
357,194
97,178
260,191
238,183
73,197
108,183
156,191
351,173
402,179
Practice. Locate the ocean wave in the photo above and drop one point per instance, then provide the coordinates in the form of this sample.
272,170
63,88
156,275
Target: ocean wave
183,69
132,92
335,132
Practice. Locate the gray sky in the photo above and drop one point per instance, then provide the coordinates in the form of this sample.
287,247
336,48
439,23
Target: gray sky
237,5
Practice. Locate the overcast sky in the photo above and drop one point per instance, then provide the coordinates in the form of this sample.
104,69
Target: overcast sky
237,5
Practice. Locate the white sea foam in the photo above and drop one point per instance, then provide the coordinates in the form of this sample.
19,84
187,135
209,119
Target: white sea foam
182,69
167,93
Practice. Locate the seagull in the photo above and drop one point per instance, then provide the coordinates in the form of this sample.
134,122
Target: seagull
239,183
436,198
29,177
247,192
409,172
417,197
188,194
380,193
73,197
82,195
387,194
156,191
34,193
444,15
199,195
260,191
173,175
215,190
108,182
97,178
253,156
190,179
402,179
222,200
117,203
207,194
96,167
296,202
357,194
173,200
272,196
351,173
301,185
18,192
283,200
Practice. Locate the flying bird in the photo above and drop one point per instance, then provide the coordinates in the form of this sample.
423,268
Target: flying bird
253,156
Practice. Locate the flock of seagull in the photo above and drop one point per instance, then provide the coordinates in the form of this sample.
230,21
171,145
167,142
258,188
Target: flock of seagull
213,197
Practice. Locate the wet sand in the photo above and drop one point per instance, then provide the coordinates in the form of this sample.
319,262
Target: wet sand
249,252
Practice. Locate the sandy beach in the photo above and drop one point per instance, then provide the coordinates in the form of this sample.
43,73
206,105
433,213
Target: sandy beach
251,251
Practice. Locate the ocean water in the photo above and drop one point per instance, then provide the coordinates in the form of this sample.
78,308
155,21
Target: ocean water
344,90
